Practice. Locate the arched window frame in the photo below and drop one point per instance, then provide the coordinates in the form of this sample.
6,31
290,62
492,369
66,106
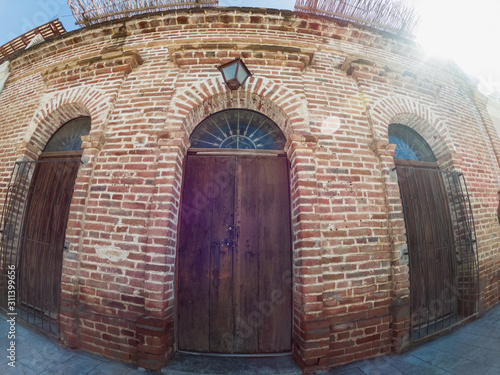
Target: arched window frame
67,139
228,129
409,144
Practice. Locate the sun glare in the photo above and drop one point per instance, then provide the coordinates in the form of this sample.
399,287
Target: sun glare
463,32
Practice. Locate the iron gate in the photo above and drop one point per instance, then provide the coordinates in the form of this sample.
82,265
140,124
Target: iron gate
33,225
442,249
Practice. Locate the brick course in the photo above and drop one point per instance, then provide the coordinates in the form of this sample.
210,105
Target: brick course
147,81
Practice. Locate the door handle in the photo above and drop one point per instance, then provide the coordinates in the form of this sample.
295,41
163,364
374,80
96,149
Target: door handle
223,246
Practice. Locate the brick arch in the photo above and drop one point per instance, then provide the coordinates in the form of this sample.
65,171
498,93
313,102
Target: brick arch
434,130
288,110
58,108
405,111
284,106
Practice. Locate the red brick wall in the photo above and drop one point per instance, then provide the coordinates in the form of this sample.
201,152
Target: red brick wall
148,81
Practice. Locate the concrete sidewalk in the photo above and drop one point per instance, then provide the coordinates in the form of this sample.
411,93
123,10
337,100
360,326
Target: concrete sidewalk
473,349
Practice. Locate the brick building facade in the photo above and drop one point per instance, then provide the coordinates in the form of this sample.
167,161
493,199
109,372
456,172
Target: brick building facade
332,88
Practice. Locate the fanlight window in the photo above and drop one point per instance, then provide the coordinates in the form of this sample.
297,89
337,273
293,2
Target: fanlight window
238,129
69,136
409,144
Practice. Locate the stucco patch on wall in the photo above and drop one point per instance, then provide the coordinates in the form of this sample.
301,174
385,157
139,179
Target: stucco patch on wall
4,74
111,253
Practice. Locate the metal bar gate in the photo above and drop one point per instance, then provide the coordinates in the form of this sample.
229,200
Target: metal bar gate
442,249
33,225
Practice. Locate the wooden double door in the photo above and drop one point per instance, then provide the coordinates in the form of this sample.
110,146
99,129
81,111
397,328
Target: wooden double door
234,256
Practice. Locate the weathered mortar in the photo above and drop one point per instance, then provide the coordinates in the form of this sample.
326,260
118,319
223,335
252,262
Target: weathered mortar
147,81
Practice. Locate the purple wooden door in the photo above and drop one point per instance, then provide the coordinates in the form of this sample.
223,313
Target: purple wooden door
234,258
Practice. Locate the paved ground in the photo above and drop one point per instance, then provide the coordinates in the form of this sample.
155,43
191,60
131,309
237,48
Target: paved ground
473,349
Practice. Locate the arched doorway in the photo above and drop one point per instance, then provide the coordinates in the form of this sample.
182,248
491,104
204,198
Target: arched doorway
34,223
234,254
440,237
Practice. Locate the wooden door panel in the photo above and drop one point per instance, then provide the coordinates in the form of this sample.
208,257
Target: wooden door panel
275,258
247,257
440,241
221,283
194,256
264,255
43,233
430,244
205,259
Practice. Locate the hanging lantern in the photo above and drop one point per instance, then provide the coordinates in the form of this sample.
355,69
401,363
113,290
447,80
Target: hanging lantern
235,73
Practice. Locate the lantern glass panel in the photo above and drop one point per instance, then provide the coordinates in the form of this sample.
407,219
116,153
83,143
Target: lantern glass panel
242,74
229,72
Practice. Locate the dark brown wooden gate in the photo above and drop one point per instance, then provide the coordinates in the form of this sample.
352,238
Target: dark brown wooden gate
234,257
441,246
33,230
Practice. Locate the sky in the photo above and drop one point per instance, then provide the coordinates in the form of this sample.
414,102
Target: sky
461,30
